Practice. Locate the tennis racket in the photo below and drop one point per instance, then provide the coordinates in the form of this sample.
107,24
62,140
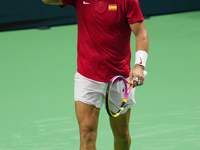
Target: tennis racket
119,98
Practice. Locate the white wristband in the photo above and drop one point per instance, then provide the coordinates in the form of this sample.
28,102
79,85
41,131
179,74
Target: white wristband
141,57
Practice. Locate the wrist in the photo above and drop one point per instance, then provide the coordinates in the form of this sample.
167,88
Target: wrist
141,58
138,66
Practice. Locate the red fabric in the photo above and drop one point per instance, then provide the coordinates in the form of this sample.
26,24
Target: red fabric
104,36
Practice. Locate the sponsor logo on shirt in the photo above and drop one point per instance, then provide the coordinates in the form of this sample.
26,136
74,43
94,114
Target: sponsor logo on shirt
112,7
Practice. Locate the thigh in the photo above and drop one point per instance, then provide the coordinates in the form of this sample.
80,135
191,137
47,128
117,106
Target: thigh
120,124
88,91
87,116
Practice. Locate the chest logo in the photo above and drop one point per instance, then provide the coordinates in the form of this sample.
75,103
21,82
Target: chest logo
112,7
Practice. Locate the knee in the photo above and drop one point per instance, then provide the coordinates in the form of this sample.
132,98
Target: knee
88,133
122,141
122,135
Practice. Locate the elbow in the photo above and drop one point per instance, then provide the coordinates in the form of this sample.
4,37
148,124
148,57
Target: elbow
144,37
144,34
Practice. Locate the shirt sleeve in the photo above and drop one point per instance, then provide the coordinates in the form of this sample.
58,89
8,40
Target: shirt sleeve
68,2
134,13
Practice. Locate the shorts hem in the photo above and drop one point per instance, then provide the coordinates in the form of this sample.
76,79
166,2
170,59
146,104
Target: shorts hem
86,102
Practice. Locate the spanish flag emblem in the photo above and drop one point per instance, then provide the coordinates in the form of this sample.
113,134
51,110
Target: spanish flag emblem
112,7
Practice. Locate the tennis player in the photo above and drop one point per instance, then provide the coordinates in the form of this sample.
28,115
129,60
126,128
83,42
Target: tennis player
104,29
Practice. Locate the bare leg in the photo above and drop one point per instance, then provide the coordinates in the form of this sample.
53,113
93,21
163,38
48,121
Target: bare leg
120,129
87,116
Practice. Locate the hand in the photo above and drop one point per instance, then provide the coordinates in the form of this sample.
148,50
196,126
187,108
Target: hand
138,73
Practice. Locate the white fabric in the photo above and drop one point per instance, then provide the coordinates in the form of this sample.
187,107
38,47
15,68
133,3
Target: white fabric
141,57
93,93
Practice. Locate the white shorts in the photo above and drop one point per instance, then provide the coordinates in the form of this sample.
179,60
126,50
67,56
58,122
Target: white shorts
93,92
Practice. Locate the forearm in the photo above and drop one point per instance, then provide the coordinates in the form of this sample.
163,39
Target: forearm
142,49
142,41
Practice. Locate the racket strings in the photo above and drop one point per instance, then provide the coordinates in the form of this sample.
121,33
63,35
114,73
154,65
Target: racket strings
116,95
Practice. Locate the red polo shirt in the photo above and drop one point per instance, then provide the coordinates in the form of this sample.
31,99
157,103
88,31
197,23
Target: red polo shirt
104,36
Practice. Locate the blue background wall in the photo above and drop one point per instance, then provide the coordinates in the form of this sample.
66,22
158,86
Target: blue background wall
22,14
156,7
33,13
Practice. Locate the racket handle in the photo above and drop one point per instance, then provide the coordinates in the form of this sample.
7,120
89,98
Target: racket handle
136,78
145,73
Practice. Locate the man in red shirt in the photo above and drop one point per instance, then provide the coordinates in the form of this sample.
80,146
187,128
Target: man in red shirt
104,29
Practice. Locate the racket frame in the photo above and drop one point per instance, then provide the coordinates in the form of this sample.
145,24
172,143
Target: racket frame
127,90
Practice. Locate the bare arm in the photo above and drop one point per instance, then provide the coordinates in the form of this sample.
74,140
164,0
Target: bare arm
142,43
53,2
